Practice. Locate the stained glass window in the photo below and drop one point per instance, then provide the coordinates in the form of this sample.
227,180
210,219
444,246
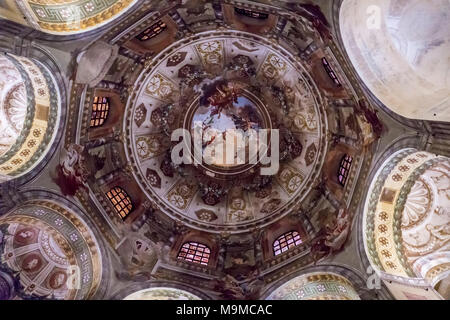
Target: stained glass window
152,31
251,14
286,241
344,169
121,201
194,252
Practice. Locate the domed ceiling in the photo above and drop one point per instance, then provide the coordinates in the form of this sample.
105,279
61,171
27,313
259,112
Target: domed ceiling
50,252
215,68
407,216
29,114
277,92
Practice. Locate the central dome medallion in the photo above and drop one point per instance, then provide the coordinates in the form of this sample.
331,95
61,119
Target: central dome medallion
226,85
229,113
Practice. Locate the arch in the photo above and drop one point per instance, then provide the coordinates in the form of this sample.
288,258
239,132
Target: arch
408,70
405,218
52,250
29,114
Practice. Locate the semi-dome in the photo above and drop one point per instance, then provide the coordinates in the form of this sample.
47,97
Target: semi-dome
400,49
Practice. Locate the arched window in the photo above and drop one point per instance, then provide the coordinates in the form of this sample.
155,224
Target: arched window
251,14
286,241
152,31
194,252
100,109
121,201
344,169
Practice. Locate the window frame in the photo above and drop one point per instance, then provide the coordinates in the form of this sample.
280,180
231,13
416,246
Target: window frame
331,72
120,191
187,246
281,244
251,14
345,166
99,115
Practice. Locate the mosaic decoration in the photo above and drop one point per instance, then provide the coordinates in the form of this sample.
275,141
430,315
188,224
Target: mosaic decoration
72,16
45,243
315,286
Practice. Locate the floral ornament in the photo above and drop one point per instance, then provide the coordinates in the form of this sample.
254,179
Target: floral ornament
65,13
156,118
300,294
25,153
206,215
383,216
40,13
383,241
403,168
41,92
320,288
210,46
391,265
31,143
382,228
83,257
86,278
59,222
310,154
177,201
153,178
154,84
277,62
397,177
412,160
37,133
16,162
89,7
39,212
73,237
386,253
342,289
294,183
142,148
140,114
